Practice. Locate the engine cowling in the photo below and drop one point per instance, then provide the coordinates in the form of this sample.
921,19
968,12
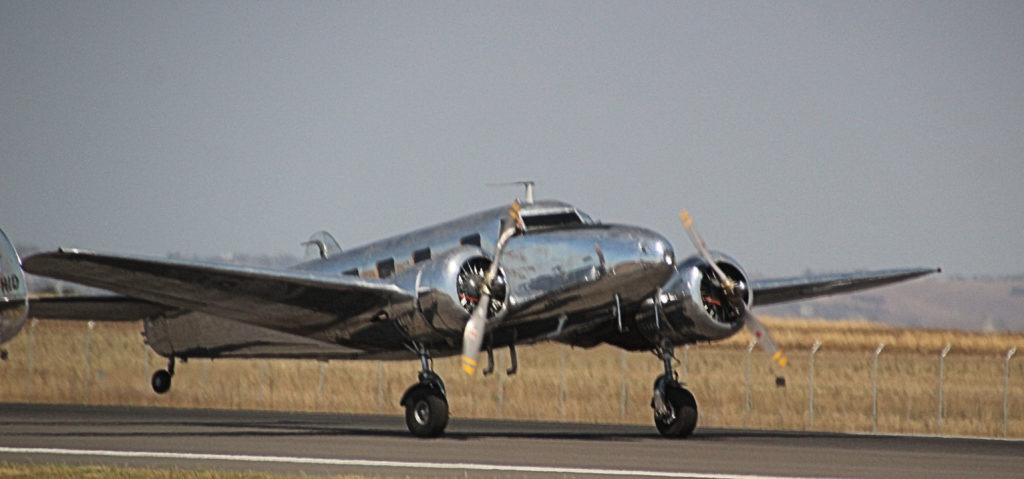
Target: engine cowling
693,306
447,289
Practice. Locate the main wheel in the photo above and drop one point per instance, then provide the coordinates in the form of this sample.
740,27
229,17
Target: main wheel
161,381
426,412
683,419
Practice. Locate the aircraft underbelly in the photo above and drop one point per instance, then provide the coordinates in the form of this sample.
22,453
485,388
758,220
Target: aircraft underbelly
200,335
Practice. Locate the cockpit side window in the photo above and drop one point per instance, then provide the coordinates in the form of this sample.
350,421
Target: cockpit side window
420,255
559,219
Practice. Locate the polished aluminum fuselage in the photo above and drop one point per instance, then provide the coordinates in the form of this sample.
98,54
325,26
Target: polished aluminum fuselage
561,279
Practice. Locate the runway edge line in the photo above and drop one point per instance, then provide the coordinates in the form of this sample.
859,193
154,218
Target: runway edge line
378,463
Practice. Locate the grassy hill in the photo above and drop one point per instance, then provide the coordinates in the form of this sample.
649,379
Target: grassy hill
980,304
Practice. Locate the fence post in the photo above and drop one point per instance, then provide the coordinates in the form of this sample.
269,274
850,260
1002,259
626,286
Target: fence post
686,362
263,388
874,390
380,386
561,385
746,409
1006,385
942,361
145,364
320,384
88,365
501,388
202,386
810,401
31,355
625,390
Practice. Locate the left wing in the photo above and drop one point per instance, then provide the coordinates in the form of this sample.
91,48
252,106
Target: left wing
772,291
99,308
284,300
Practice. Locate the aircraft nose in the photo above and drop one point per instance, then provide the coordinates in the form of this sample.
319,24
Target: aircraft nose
655,248
645,250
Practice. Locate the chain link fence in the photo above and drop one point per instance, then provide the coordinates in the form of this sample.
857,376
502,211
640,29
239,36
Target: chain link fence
884,389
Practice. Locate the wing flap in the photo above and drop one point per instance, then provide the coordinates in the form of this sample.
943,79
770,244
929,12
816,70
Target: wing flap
285,300
772,291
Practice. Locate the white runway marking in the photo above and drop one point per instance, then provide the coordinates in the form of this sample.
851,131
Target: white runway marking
454,466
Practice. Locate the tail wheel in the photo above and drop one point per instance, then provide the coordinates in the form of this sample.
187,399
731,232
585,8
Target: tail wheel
426,412
683,419
161,381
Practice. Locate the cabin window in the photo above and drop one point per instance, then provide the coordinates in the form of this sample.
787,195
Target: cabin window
385,268
420,255
471,240
351,272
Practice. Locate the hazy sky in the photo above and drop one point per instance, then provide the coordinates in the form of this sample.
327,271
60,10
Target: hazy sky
821,135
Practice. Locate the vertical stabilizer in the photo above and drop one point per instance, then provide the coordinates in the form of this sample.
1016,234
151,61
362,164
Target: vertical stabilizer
13,291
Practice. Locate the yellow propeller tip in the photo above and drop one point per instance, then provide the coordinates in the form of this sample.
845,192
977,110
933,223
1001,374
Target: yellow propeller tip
469,365
685,217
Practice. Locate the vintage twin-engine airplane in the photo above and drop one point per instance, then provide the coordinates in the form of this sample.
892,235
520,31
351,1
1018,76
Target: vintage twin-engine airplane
533,272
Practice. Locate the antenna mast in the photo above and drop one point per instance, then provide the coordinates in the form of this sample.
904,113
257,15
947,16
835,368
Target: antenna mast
528,184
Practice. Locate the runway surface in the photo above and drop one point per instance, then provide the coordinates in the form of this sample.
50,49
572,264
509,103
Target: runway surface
380,446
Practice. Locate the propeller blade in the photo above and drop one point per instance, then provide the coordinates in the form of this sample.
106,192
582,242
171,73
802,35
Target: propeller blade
754,325
473,335
764,338
698,242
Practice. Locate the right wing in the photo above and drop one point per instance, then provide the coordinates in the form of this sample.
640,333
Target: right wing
771,291
297,302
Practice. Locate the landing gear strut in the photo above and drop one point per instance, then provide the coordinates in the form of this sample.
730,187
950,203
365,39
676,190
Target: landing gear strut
675,409
426,405
161,381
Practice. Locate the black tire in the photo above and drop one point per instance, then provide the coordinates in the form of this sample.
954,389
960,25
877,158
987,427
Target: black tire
426,412
684,407
161,381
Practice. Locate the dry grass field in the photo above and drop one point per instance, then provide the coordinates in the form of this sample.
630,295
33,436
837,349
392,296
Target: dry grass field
63,362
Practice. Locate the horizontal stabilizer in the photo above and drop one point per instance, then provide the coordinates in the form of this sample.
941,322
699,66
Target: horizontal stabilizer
321,245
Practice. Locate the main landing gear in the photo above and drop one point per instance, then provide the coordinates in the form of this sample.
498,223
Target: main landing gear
426,406
675,409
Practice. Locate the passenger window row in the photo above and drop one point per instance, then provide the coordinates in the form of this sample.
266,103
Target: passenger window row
386,267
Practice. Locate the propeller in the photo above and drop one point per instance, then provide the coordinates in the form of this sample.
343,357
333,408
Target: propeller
473,335
733,295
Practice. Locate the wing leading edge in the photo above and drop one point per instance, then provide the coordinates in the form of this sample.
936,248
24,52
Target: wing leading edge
290,301
772,291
